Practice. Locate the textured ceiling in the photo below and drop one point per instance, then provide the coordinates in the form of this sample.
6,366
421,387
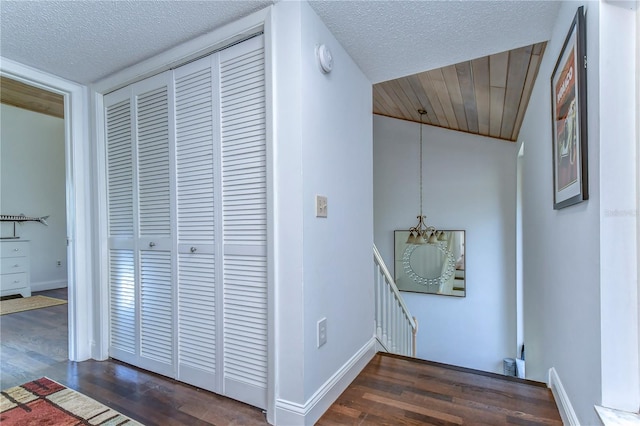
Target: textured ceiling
391,39
84,41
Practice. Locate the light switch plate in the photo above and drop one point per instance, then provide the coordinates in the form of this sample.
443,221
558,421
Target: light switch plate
321,206
322,332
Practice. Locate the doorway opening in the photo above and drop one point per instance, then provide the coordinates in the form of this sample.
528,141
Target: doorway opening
78,178
34,243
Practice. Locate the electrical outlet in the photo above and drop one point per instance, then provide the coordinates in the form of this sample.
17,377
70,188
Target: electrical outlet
58,263
322,332
321,206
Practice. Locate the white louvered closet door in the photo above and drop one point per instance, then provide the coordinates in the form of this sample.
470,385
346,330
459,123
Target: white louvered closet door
139,198
197,143
187,223
244,220
120,226
152,117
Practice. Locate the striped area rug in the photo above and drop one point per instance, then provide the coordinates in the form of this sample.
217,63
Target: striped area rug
45,402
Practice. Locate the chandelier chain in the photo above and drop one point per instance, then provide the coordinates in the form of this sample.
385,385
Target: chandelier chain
421,161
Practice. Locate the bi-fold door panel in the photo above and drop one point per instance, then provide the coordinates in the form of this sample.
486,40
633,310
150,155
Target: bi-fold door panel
139,224
152,118
153,114
196,177
244,222
120,226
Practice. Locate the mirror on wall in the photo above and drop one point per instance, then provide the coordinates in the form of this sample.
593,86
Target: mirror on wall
435,268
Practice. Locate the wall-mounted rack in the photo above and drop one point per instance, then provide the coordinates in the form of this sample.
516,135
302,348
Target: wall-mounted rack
19,218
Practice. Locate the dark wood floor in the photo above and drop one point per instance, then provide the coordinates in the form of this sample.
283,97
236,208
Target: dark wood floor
33,342
394,390
390,391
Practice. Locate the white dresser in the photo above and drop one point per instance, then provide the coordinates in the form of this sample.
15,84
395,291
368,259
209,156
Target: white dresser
15,268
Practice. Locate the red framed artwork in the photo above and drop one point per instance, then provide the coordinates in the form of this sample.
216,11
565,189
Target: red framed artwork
569,118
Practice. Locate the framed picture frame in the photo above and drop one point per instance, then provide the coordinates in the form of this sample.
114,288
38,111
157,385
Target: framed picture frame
569,118
431,268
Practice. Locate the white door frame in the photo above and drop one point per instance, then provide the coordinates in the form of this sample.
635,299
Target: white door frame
78,199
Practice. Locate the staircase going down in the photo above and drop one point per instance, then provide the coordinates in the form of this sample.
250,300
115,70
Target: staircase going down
395,328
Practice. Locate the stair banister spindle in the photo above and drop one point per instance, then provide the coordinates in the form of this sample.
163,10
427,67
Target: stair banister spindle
401,322
376,284
394,319
401,330
390,322
413,337
401,327
407,346
387,324
384,318
404,336
379,288
396,325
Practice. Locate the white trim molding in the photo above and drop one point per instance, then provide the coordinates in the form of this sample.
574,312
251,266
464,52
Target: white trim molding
613,417
380,347
567,412
48,285
291,413
79,178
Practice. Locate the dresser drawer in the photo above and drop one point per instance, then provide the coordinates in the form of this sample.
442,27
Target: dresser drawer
14,249
13,281
12,265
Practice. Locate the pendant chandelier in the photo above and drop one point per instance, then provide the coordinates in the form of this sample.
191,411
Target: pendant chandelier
423,233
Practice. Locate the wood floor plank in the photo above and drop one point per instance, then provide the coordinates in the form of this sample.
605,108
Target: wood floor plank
391,390
414,408
452,407
402,389
485,390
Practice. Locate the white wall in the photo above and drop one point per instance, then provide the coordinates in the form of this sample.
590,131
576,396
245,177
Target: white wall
32,182
618,208
322,145
337,155
561,270
469,184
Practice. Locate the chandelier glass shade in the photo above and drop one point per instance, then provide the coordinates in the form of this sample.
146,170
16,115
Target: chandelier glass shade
423,233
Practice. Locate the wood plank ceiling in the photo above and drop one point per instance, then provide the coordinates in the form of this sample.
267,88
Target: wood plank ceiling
486,96
32,98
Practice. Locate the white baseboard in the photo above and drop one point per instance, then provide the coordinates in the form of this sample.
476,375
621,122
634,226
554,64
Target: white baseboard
291,413
380,347
613,417
567,413
48,285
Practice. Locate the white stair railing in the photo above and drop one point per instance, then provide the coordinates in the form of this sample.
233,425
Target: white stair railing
395,328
